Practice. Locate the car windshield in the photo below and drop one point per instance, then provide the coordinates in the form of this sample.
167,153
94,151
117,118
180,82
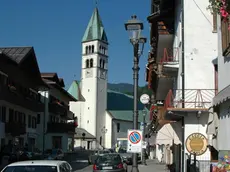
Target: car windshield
32,168
109,158
122,150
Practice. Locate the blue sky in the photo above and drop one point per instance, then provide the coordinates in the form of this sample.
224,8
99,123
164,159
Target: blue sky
55,29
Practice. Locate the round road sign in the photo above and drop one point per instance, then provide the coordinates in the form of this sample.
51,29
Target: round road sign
144,99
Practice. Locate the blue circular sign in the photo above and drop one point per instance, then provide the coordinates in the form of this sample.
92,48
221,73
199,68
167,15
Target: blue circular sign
134,137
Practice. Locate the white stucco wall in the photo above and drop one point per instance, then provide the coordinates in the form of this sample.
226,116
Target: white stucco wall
109,133
200,45
224,127
78,109
195,125
29,131
94,91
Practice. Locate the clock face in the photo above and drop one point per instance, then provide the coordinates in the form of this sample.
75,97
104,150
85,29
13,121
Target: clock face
88,73
103,74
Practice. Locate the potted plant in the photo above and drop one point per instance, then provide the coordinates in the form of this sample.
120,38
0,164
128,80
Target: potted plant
221,7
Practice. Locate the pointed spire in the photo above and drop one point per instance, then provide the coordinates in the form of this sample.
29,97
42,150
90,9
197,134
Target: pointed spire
95,29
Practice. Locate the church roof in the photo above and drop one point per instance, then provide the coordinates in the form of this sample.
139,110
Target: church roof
74,90
127,115
95,29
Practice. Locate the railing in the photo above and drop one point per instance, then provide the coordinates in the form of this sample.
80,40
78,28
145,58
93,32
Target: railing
58,109
170,56
15,128
60,127
194,98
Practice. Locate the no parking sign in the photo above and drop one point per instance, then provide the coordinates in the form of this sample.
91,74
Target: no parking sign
134,141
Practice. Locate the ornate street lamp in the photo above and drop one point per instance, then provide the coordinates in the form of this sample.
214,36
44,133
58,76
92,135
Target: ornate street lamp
134,27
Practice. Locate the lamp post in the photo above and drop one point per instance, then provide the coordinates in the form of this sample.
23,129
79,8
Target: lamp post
143,149
103,131
134,27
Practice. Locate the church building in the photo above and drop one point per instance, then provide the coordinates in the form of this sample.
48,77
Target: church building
101,113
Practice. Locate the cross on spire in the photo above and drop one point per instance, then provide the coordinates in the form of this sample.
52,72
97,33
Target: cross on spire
96,2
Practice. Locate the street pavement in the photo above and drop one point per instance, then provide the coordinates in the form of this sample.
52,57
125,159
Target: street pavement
152,166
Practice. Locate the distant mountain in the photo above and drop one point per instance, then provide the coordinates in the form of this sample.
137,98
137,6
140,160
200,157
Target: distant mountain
128,88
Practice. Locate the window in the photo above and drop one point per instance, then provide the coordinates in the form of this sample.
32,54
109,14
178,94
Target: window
20,117
86,50
16,116
101,140
91,62
3,113
24,118
100,63
29,121
87,63
34,123
214,16
118,127
92,48
38,118
11,115
225,37
103,64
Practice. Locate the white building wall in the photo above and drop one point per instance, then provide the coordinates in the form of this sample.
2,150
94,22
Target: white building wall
29,131
78,109
108,126
200,45
94,91
197,125
224,127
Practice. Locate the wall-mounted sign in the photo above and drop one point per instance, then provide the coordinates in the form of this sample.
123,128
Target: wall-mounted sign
196,143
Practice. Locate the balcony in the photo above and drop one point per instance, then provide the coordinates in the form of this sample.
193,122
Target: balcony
13,95
60,127
194,100
58,109
15,129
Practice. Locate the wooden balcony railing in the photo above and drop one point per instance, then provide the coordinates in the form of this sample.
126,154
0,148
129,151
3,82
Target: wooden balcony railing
13,95
170,56
61,127
194,98
58,109
15,128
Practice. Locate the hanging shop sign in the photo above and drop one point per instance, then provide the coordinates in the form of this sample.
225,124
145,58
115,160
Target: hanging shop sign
196,143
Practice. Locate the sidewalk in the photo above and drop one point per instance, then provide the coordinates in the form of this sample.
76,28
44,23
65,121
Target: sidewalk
152,166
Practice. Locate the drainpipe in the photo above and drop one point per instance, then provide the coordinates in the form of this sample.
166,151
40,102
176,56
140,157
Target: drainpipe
183,83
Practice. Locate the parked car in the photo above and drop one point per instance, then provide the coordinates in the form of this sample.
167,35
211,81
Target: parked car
38,166
95,154
127,157
109,163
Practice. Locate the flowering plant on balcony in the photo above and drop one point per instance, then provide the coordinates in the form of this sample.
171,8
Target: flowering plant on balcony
221,7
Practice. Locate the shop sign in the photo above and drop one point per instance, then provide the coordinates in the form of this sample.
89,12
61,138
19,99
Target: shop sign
196,143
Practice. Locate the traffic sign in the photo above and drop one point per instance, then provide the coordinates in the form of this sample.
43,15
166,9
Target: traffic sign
144,99
134,141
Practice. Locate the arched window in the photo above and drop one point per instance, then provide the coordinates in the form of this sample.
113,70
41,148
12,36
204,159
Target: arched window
89,49
91,62
92,48
87,63
86,50
100,63
103,64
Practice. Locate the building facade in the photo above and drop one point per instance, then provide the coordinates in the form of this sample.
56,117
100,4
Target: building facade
218,123
58,123
20,102
182,88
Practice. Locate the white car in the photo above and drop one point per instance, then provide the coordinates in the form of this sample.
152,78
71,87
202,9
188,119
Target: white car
38,166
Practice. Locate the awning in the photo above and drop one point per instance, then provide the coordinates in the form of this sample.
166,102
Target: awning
80,132
212,128
222,96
